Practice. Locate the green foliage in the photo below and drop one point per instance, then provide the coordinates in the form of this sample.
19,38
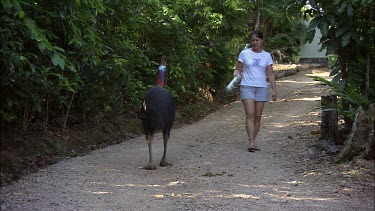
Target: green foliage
40,62
349,95
348,32
75,59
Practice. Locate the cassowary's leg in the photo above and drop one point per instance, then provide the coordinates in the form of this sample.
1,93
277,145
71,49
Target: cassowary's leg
150,165
166,134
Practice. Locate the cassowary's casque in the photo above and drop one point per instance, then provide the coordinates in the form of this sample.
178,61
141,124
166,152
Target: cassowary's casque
158,113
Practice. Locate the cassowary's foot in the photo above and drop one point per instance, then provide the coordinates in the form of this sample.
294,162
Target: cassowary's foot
150,167
165,163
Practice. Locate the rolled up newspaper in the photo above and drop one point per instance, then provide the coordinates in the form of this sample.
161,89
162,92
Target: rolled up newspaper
233,83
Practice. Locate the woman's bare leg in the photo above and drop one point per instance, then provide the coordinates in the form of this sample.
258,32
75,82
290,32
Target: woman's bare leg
253,112
257,120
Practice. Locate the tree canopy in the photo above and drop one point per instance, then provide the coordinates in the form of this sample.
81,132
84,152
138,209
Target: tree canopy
74,59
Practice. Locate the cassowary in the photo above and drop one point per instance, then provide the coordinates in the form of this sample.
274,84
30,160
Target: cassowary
158,113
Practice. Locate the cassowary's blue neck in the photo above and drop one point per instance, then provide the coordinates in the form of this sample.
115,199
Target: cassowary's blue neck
161,71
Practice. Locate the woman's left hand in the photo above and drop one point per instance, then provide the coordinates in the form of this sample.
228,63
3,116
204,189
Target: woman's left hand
274,95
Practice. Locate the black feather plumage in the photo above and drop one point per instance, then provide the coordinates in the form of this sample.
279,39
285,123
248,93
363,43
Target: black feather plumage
158,113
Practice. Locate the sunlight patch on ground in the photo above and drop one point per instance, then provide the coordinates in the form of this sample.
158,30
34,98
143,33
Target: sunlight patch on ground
158,196
306,99
101,192
136,185
351,172
296,82
175,183
295,183
185,195
98,183
282,67
312,174
280,125
305,123
319,74
156,185
255,186
117,170
234,196
316,113
300,198
129,185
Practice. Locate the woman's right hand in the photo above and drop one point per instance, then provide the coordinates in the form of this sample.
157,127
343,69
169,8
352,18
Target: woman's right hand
236,73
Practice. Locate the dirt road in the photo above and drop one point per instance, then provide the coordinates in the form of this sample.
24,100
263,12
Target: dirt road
212,168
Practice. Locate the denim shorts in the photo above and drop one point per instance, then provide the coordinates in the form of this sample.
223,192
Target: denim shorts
255,93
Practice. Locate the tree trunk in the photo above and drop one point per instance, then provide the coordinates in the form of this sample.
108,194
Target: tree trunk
369,152
329,122
257,22
368,64
361,138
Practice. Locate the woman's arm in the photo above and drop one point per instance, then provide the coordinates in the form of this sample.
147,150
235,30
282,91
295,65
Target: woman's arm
271,78
239,68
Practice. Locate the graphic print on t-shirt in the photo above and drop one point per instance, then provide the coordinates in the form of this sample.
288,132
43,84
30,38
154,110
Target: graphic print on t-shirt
256,62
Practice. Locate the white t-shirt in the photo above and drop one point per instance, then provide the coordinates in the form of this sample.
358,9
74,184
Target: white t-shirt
254,67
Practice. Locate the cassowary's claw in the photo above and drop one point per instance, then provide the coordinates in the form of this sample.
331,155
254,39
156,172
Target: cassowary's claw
150,167
165,163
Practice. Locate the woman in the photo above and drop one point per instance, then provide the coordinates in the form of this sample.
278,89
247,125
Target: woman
255,64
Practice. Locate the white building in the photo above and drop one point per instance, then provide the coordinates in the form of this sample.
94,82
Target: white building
311,53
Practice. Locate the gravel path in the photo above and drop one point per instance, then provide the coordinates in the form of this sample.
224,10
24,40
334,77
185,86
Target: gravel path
212,168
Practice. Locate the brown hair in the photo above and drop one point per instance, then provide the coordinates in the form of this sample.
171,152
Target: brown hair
257,33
